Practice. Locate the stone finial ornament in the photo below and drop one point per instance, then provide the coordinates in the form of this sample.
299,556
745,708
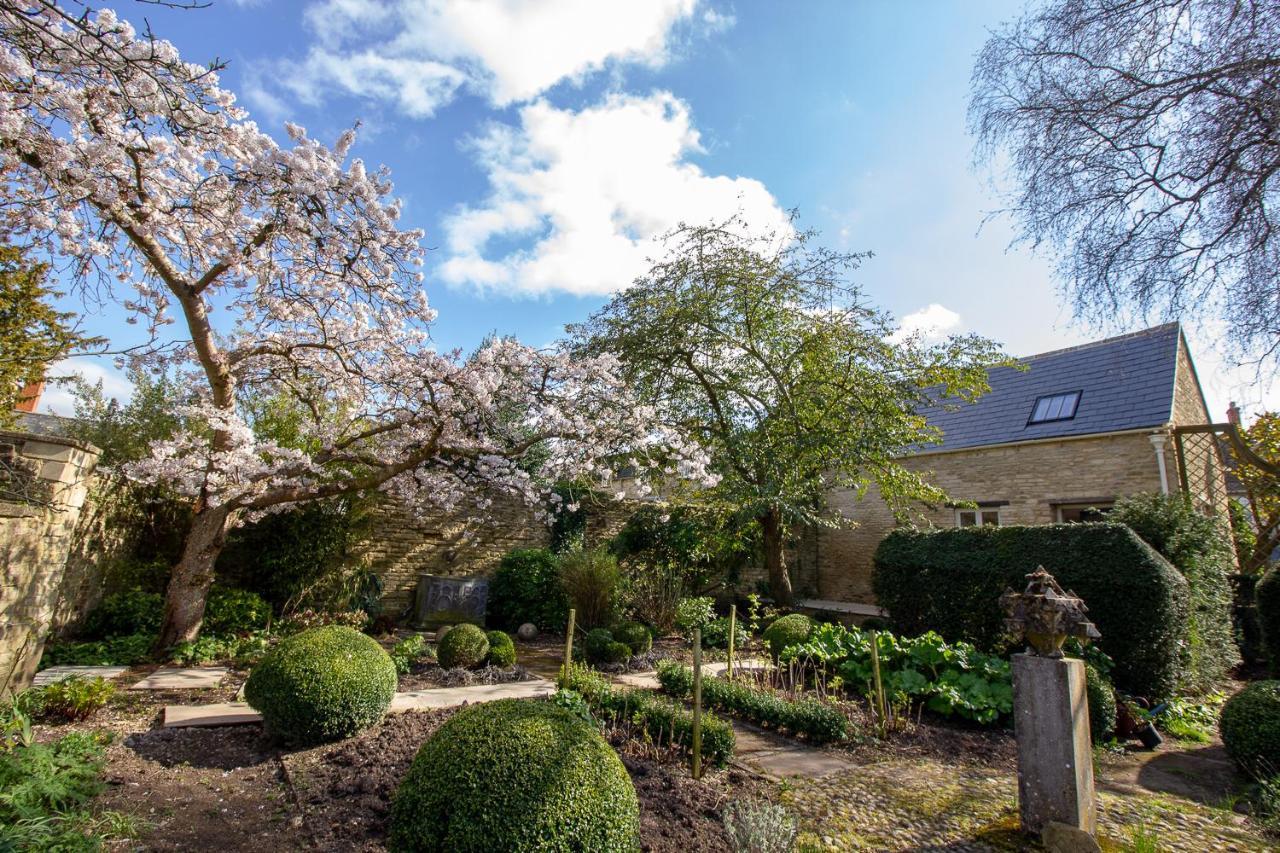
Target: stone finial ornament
1046,616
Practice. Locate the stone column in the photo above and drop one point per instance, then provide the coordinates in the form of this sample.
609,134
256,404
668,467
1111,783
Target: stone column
1055,752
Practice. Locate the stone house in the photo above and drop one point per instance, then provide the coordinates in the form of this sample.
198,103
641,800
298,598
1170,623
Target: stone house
1058,441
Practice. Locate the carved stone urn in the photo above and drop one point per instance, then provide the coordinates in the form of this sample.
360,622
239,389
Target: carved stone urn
1046,616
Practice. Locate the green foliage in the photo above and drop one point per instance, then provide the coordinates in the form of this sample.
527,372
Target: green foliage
818,721
117,651
572,701
516,775
635,636
789,630
694,612
33,334
502,650
668,549
1243,537
1190,719
758,826
1267,596
591,580
753,346
45,789
124,432
209,648
526,588
1200,548
123,613
1102,705
600,647
235,611
322,685
465,645
305,620
1250,727
715,635
406,653
659,721
71,699
569,523
951,581
950,679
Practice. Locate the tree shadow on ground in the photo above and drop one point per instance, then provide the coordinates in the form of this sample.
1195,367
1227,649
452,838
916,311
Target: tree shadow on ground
1204,774
220,747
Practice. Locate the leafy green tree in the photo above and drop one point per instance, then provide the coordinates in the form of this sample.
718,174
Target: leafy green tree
33,334
761,350
124,431
1262,484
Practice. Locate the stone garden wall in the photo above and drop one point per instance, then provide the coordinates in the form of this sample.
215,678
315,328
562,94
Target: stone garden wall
44,483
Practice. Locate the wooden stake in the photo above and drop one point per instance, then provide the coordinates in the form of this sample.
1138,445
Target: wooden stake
733,628
697,703
568,650
879,684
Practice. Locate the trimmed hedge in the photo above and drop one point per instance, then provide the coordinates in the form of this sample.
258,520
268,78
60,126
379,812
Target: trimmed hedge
322,685
950,581
1250,727
502,650
600,647
661,720
815,720
515,775
790,630
464,645
1267,600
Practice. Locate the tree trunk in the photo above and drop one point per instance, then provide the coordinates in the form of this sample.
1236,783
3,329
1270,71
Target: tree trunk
189,584
779,581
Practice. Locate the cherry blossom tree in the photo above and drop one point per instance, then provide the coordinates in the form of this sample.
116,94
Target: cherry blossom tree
261,268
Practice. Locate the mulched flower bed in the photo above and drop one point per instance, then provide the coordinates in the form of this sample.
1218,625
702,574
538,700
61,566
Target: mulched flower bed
425,676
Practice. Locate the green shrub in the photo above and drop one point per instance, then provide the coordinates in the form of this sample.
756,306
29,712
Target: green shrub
599,647
465,645
760,826
694,612
117,651
658,720
209,648
72,699
1250,727
788,631
235,611
125,613
526,588
818,721
321,685
591,580
406,653
515,775
1267,600
635,636
1102,705
45,789
1200,547
502,650
951,581
716,634
572,701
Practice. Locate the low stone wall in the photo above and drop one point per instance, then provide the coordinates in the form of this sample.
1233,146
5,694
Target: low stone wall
44,482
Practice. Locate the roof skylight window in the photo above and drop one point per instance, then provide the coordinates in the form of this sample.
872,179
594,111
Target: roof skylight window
1054,407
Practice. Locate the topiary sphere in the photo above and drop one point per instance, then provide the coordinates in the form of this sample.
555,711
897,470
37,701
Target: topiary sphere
465,645
1102,705
1250,727
635,635
502,651
788,631
515,775
596,644
321,685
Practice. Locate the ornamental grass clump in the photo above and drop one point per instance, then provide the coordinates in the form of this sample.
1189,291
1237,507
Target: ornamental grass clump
516,775
465,645
322,685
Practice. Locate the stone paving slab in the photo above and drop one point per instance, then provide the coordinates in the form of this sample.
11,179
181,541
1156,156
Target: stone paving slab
236,713
59,673
182,678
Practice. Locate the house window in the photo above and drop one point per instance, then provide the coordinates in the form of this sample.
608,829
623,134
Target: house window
1054,407
1080,513
974,517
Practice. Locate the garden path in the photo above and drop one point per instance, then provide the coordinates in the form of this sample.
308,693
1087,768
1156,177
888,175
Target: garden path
55,674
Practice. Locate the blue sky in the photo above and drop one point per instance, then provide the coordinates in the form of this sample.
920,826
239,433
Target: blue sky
540,145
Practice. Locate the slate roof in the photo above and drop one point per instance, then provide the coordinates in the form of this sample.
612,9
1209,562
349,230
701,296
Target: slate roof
1125,383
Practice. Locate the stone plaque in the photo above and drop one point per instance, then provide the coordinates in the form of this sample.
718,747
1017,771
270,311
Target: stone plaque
449,600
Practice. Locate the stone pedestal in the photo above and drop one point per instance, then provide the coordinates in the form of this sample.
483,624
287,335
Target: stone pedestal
1055,756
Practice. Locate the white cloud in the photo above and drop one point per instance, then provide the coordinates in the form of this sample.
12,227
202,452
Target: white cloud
56,400
591,189
418,53
932,322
